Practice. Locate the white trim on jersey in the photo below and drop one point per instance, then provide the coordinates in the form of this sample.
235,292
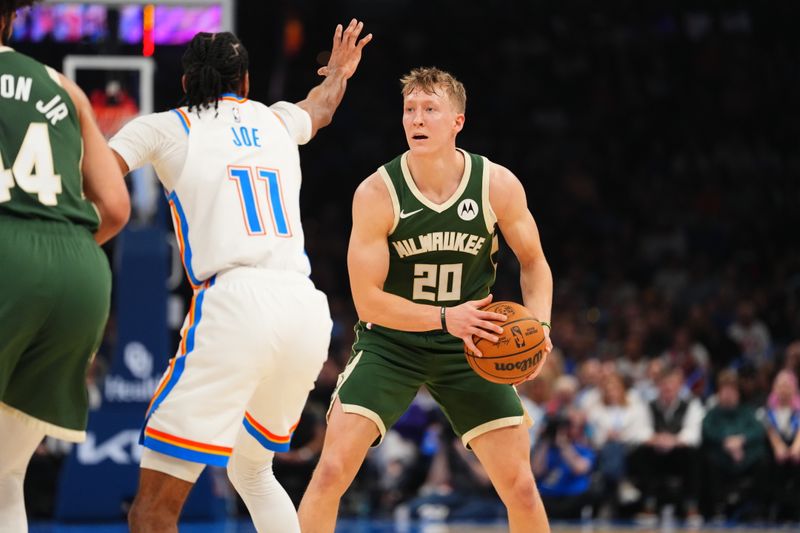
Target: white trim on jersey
439,208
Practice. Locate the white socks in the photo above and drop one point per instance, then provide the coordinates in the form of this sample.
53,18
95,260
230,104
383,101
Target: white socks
271,509
19,441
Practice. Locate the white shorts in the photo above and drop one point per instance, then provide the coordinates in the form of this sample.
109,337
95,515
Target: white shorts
251,348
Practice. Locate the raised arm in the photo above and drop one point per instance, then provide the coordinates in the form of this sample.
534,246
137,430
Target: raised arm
103,183
508,200
368,265
322,100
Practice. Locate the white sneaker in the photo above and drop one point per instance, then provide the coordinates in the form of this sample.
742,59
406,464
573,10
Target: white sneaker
628,493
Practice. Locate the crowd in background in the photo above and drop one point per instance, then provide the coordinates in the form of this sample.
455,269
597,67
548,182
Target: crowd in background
658,151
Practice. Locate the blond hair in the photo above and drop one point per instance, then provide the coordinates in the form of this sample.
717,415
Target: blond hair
429,79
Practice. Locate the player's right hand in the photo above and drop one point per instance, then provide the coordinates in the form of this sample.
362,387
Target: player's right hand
465,320
346,51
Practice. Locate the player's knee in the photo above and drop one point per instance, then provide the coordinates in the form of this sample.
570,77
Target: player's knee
247,475
147,514
332,475
138,517
522,494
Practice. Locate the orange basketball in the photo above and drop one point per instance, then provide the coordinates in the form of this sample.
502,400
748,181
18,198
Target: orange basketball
519,351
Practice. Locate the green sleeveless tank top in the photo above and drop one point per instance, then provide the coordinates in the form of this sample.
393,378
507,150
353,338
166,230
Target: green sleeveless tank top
441,254
40,145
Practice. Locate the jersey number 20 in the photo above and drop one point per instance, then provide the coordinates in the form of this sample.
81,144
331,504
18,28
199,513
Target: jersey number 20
249,189
34,153
444,279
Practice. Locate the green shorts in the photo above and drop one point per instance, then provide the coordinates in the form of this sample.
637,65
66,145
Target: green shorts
56,288
387,368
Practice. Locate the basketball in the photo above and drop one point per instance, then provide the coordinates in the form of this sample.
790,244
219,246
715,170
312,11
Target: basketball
518,352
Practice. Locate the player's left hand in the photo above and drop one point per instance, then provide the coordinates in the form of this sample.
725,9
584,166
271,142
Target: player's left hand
346,51
548,347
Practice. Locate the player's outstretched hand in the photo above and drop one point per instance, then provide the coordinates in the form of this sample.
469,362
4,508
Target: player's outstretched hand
346,51
467,319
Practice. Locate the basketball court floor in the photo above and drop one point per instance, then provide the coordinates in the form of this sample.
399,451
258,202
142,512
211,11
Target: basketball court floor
390,527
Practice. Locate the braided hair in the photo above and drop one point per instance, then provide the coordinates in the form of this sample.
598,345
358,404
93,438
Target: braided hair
213,64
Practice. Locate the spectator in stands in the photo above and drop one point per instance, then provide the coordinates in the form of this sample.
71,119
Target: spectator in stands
617,424
671,452
735,448
691,357
791,357
782,421
647,387
562,464
565,393
633,363
589,377
750,334
754,384
536,396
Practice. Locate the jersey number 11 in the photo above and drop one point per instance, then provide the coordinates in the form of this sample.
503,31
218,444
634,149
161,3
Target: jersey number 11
267,179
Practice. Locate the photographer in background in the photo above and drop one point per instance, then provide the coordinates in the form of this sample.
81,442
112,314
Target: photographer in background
562,464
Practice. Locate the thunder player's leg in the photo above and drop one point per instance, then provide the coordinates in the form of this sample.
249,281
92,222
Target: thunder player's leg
505,454
161,495
300,347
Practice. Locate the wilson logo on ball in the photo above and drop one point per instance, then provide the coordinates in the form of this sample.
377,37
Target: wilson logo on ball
521,366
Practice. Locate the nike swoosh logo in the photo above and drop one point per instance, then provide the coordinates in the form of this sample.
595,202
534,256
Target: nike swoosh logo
406,215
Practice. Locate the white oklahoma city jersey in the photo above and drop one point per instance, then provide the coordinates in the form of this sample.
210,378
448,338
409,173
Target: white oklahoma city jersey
232,177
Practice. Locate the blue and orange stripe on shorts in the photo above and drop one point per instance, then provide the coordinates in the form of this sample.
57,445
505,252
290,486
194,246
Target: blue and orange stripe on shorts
197,452
176,367
269,440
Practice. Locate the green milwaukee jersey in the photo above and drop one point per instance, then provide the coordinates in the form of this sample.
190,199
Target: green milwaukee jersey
441,254
40,145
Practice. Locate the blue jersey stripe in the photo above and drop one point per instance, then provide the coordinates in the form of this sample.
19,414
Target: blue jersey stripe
187,249
198,314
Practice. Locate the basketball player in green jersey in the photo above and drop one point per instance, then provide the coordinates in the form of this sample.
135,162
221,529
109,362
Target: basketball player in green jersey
422,262
55,282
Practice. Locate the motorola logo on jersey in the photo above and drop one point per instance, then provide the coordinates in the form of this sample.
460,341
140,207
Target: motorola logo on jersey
467,209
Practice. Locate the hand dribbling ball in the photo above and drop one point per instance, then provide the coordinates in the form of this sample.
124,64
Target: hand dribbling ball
519,350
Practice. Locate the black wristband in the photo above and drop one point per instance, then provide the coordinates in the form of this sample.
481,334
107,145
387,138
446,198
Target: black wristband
444,318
